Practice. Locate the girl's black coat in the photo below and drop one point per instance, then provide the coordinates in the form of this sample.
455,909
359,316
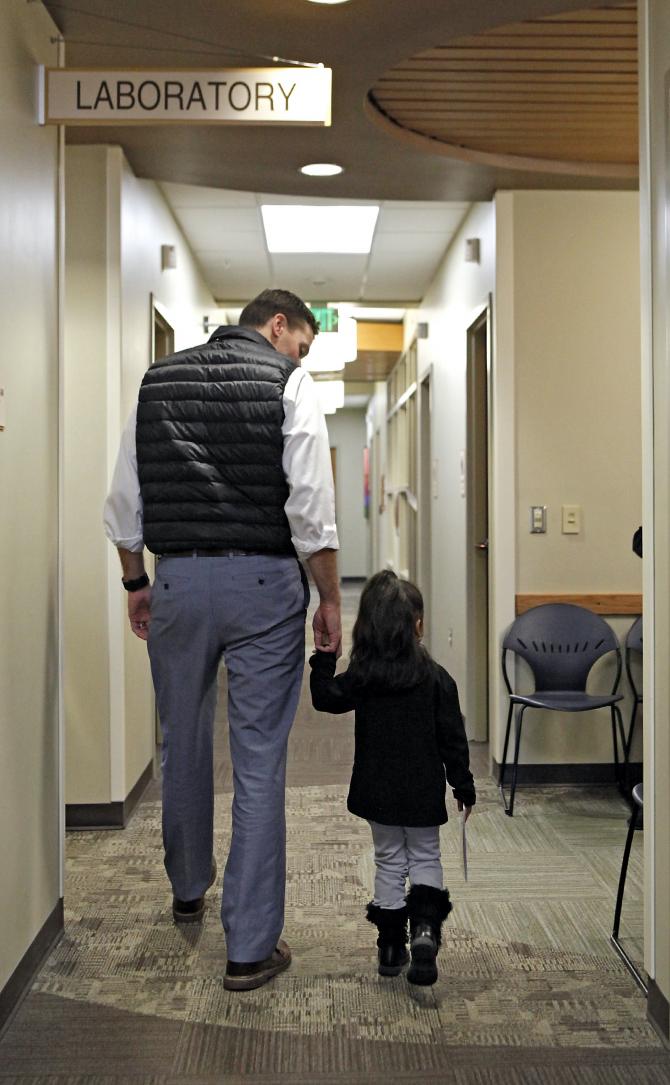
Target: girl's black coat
405,740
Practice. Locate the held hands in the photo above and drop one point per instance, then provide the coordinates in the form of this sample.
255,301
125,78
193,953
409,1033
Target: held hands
139,612
327,629
468,809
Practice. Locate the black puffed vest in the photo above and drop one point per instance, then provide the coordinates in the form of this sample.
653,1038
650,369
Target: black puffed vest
209,447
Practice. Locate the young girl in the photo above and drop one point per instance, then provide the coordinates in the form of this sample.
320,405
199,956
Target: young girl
409,730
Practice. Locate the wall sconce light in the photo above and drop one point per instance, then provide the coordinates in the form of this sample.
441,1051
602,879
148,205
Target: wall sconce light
168,257
472,250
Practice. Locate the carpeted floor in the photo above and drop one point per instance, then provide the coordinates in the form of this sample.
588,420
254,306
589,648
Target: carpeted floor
529,988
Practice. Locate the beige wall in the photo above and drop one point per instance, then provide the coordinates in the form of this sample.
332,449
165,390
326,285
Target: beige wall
29,690
346,431
89,353
115,227
459,292
577,352
572,328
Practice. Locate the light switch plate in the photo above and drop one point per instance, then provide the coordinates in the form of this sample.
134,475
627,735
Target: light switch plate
538,519
571,519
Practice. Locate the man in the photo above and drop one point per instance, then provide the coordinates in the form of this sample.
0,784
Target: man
224,472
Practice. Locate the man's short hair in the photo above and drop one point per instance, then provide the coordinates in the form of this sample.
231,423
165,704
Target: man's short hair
269,302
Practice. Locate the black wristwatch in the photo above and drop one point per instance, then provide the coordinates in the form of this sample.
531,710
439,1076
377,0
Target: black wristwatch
137,583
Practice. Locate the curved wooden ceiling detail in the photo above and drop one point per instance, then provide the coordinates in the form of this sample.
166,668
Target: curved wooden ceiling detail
557,94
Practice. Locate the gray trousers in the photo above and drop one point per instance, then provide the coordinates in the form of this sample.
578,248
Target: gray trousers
400,853
250,610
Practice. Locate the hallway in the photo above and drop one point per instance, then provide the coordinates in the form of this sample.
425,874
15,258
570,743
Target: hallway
529,988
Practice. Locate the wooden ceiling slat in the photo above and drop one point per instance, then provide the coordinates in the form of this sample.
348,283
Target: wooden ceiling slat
595,15
526,116
540,79
555,33
544,101
528,124
507,92
565,68
515,54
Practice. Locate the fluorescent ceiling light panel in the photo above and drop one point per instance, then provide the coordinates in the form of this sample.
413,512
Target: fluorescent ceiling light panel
319,227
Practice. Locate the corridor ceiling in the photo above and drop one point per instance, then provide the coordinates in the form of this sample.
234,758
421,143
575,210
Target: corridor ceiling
445,101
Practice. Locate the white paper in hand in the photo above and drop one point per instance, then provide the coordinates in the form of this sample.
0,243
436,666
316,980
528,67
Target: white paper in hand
464,846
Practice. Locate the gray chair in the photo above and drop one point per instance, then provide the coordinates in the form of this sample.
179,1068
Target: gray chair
633,643
560,643
638,807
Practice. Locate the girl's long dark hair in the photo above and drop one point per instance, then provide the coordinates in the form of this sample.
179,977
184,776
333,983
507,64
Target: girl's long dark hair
386,650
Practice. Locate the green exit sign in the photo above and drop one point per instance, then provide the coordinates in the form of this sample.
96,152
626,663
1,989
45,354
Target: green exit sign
328,318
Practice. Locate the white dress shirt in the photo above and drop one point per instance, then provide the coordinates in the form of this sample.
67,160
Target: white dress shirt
310,507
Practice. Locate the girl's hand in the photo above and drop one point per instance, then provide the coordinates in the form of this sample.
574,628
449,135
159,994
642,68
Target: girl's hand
468,809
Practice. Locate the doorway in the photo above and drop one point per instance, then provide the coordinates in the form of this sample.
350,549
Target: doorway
425,500
162,341
162,344
477,524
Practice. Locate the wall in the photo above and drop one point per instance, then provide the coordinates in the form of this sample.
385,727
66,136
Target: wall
91,353
654,64
30,847
346,431
115,228
573,325
456,296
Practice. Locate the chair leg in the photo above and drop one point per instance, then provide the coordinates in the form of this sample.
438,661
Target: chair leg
517,745
501,783
621,771
624,870
631,729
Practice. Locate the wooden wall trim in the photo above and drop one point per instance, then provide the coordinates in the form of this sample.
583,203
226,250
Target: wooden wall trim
603,603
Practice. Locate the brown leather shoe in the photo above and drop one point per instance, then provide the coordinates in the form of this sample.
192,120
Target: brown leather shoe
246,976
192,911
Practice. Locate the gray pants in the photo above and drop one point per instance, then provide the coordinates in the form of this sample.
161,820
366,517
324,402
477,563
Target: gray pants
250,610
400,853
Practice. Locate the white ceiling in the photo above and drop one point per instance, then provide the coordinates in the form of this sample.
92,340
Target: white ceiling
225,231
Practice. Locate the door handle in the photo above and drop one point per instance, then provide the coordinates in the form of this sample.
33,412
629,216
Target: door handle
482,545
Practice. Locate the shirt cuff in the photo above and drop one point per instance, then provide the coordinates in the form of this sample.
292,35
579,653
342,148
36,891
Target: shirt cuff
328,540
135,545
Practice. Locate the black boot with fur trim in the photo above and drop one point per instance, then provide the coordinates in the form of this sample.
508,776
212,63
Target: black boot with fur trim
427,908
392,941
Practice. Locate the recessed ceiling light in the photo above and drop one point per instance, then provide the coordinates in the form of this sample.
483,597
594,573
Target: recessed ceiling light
319,227
321,169
328,1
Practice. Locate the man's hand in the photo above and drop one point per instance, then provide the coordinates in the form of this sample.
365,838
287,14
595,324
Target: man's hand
328,629
139,612
327,623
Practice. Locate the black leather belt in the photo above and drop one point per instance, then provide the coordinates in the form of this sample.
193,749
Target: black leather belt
231,552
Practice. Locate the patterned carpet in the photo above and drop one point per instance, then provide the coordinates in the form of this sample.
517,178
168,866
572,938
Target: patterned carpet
529,988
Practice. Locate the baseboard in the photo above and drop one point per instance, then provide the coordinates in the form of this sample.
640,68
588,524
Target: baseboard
107,815
598,773
22,977
658,1012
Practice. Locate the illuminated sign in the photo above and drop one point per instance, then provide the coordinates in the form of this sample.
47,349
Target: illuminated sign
203,96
